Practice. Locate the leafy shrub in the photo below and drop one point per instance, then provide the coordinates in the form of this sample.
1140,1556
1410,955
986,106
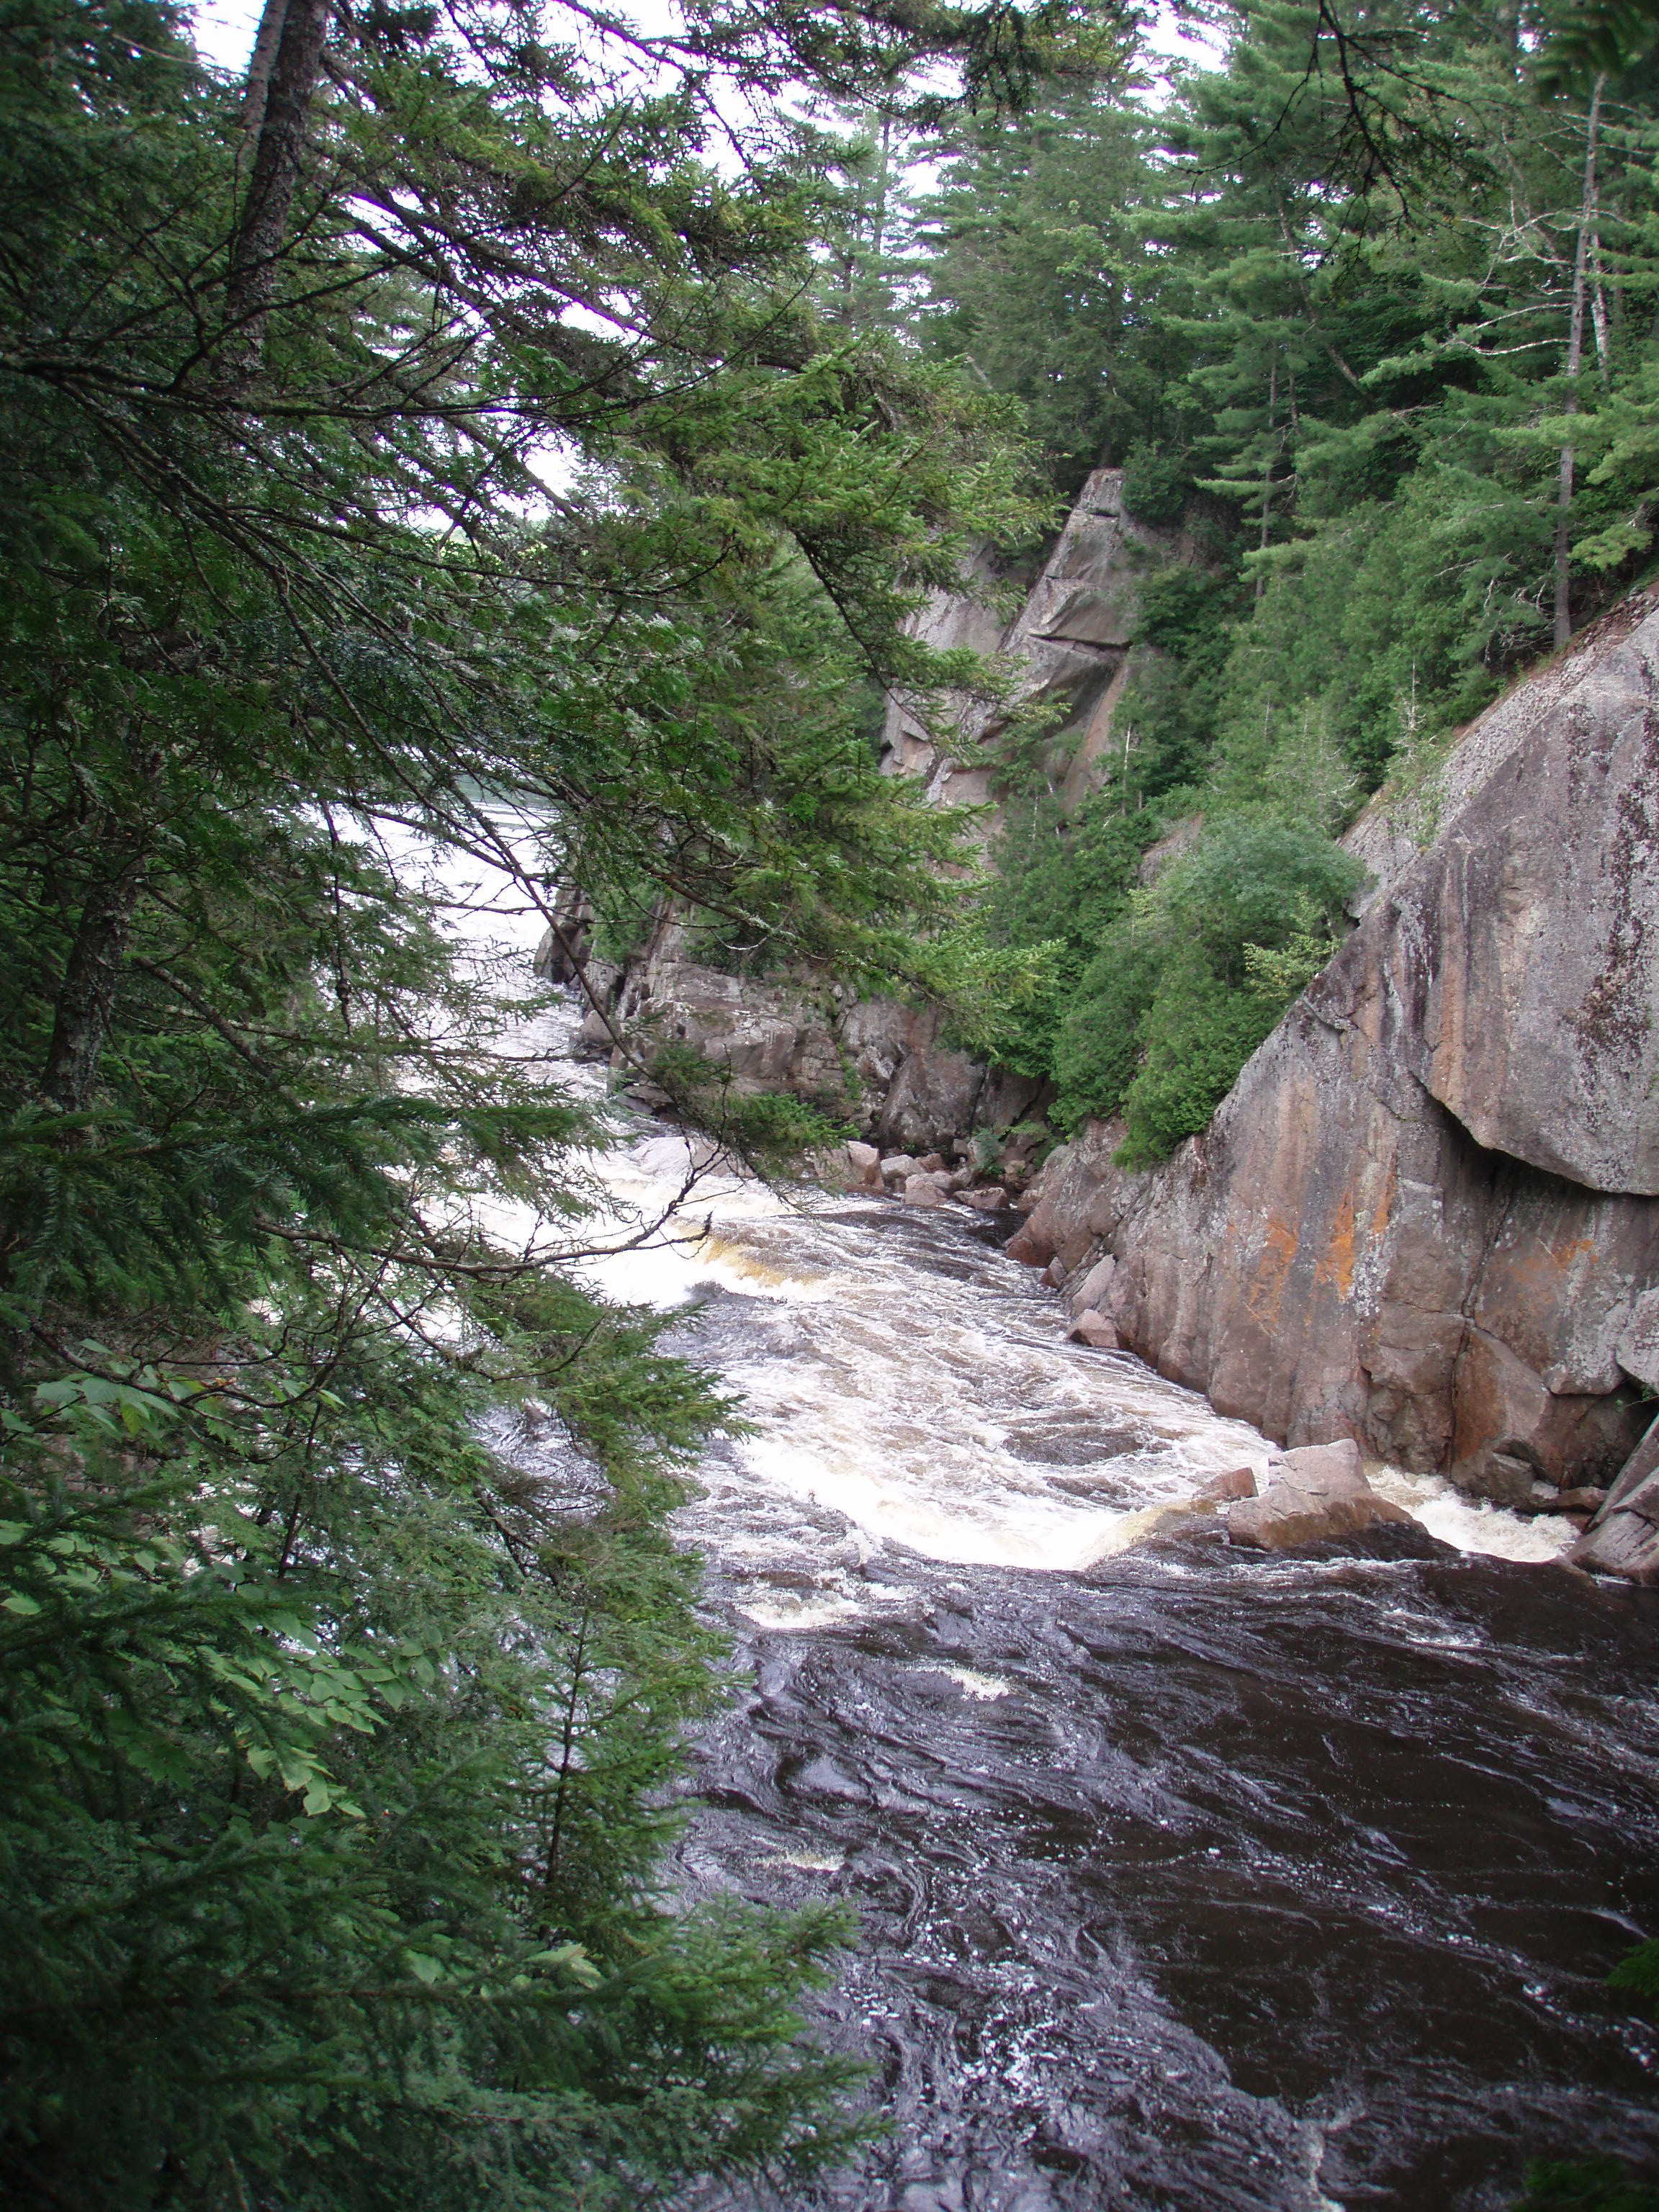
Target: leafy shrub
771,1130
1199,1031
1183,989
1589,2184
1098,1048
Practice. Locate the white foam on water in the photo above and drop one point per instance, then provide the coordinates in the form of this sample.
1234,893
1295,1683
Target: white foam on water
983,1686
968,1524
784,1609
942,1414
1474,1524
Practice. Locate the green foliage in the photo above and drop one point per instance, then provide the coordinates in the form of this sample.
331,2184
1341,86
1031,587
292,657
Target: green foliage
1638,1974
1056,883
334,1754
1189,982
1198,1032
1035,272
1099,1045
346,1656
1590,2184
772,1131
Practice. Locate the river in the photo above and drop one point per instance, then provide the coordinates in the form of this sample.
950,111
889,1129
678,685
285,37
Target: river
1187,1878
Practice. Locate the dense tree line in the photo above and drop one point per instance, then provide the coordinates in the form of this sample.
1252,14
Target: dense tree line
1368,313
434,441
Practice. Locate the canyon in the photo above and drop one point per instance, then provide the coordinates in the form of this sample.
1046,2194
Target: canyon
1426,1216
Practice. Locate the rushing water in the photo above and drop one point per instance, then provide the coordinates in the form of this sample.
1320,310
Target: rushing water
1188,1879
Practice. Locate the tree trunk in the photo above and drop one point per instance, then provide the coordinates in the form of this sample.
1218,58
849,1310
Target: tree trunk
86,999
1588,247
284,102
259,68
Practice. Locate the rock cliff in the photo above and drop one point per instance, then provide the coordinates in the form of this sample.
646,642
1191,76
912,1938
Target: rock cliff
1068,646
880,1065
1424,1217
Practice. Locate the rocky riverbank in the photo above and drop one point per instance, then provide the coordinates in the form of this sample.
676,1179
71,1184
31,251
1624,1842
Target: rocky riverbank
1427,1218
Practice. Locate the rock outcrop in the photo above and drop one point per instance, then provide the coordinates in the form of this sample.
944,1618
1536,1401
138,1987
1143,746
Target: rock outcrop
1424,1217
881,1065
1623,1538
1069,644
1313,1495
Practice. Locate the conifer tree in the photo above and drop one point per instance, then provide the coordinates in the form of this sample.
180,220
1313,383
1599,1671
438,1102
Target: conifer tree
423,443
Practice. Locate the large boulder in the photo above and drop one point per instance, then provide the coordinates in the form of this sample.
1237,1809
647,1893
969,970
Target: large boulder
865,1162
1314,1495
1623,1537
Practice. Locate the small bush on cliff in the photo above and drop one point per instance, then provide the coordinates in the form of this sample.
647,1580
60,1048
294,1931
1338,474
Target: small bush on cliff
770,1130
1186,985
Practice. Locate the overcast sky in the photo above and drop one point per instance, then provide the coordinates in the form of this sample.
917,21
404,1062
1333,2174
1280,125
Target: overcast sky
225,29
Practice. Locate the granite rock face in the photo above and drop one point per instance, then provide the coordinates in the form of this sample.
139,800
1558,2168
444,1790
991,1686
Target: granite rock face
873,1062
1070,641
1424,1216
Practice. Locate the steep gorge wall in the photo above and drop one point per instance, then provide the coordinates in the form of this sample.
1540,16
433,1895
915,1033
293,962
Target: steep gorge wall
1425,1216
1069,644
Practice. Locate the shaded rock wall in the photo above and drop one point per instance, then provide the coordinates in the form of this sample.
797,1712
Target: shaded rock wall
1423,1216
875,1062
1070,642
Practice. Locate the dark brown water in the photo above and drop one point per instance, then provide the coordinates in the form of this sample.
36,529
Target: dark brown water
1187,1879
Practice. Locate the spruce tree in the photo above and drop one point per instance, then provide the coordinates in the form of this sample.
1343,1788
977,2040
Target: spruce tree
422,441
